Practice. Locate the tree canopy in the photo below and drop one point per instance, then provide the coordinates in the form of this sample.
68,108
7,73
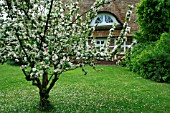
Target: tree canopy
49,37
153,19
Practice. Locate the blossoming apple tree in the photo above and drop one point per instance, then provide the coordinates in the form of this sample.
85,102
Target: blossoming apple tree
48,37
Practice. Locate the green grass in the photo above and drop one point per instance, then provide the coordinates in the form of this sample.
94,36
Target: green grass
114,90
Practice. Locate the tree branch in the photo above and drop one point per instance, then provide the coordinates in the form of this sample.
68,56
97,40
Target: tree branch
86,12
22,47
24,72
50,78
33,22
33,79
9,4
20,42
26,14
46,26
52,83
38,84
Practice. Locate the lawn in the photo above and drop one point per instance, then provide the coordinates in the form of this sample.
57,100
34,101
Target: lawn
112,90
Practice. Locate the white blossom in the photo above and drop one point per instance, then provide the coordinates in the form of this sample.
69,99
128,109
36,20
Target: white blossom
59,43
34,69
16,60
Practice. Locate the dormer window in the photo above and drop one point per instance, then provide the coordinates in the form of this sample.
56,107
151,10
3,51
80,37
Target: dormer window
99,19
104,19
108,19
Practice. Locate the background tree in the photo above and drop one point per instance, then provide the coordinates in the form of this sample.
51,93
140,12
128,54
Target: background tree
150,57
48,38
153,19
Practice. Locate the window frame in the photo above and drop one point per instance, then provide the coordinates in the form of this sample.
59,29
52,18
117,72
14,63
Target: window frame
104,23
101,41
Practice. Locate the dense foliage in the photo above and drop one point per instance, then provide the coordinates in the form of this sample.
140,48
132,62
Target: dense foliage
151,60
150,57
50,37
153,19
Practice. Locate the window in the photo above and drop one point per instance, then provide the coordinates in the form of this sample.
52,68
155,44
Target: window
100,42
103,19
108,19
99,19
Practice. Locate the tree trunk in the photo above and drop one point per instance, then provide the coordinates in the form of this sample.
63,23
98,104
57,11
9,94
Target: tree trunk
44,91
44,95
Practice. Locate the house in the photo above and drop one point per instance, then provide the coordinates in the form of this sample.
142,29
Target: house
111,13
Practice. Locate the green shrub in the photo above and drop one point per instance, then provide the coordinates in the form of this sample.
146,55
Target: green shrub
153,19
132,54
151,56
152,61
